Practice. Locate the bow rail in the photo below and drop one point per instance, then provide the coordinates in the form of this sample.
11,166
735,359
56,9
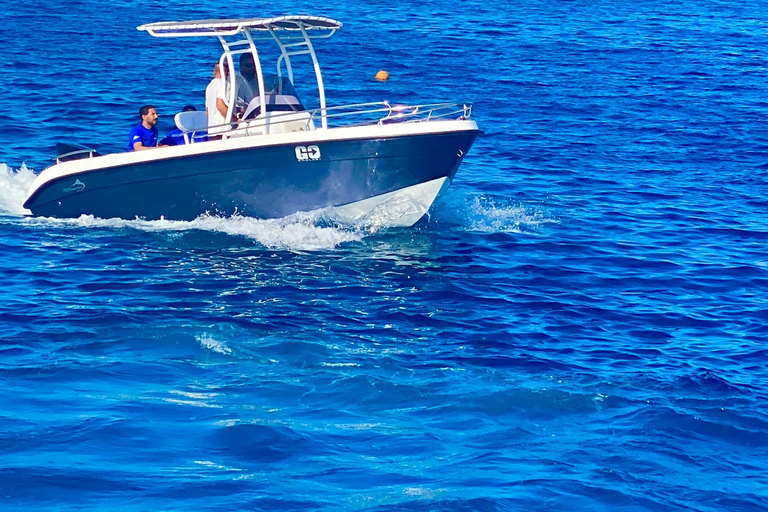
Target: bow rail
359,114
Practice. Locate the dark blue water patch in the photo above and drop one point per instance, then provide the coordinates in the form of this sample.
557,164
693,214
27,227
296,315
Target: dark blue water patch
670,424
119,435
350,478
45,485
235,493
477,504
709,382
254,443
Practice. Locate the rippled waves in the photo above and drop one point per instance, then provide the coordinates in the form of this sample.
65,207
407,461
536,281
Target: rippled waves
579,323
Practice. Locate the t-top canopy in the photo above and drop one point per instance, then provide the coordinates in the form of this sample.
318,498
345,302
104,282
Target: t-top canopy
232,27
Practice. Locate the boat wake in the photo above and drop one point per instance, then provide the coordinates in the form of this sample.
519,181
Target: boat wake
13,189
304,231
485,214
315,230
300,232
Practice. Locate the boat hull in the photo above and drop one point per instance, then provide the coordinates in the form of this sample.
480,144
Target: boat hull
263,181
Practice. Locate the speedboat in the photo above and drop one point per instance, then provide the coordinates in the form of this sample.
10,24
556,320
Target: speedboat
273,157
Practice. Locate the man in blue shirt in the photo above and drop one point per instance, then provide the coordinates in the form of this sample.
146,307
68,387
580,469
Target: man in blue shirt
144,135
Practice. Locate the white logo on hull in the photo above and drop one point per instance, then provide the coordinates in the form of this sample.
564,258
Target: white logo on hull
77,186
307,153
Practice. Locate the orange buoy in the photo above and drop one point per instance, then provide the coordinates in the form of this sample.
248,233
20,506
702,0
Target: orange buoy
382,75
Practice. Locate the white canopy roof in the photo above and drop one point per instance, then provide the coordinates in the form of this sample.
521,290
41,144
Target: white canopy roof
231,27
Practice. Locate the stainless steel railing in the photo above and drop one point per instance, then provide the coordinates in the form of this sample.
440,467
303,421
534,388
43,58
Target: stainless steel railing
72,154
360,114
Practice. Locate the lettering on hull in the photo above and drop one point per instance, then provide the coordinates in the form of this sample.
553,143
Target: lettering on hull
307,153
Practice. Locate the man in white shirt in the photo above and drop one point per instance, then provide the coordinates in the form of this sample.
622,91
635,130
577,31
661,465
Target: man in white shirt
216,103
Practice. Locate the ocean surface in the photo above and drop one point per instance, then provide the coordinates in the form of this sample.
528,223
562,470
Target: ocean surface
580,323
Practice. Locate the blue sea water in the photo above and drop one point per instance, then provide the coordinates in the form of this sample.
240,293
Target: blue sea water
579,324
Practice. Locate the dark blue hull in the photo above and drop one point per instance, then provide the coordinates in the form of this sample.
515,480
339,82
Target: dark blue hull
262,182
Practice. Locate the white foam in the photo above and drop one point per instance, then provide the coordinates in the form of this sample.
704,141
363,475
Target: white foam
13,189
486,215
210,343
192,403
195,396
299,232
491,215
213,465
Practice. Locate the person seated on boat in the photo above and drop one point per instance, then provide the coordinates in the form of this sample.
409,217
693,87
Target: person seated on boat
216,102
144,135
245,81
176,136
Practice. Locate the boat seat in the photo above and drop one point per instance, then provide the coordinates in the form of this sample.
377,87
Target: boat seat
276,122
191,121
287,122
